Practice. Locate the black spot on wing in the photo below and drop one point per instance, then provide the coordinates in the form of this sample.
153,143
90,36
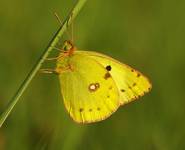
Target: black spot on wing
110,87
81,109
134,84
93,87
138,75
122,90
97,85
107,75
108,68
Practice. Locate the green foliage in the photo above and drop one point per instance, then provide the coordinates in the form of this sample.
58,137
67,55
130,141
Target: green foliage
148,35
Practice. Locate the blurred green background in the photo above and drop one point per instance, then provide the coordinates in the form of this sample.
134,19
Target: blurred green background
146,34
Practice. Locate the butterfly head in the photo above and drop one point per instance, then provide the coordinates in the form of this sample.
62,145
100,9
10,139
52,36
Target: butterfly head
68,47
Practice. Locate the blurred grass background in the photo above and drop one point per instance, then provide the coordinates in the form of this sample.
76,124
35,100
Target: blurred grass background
146,34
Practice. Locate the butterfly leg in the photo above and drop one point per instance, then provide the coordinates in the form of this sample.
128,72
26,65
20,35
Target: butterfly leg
60,55
57,70
48,71
55,58
60,22
58,49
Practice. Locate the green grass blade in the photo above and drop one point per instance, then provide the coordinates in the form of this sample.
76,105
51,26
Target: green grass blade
37,66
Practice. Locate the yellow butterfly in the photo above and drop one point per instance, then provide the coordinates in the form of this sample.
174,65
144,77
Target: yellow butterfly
95,85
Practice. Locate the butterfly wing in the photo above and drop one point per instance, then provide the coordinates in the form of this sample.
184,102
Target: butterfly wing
130,82
88,95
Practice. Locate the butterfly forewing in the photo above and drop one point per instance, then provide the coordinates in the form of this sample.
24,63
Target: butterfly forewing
131,83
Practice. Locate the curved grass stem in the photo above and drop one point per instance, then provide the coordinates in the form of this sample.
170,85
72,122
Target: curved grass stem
76,9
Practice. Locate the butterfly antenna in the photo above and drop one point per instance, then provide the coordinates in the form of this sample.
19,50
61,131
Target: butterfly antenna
60,22
72,29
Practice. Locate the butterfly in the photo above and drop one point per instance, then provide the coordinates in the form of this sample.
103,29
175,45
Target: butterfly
95,85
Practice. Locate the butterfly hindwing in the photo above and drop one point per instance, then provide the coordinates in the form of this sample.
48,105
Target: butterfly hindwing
90,94
131,83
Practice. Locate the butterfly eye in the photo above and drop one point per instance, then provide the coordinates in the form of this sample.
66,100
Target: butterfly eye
67,45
